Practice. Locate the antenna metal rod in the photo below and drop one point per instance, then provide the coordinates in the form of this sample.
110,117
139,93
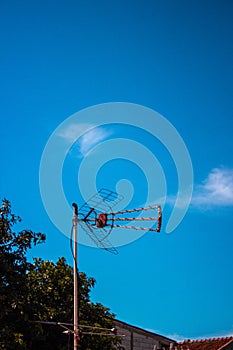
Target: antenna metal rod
75,228
137,209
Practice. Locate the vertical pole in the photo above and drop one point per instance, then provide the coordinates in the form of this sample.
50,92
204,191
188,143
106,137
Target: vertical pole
75,228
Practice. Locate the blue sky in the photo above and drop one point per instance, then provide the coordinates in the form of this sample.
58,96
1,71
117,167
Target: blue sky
58,58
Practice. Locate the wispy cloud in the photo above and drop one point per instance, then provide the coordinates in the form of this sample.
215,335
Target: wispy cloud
174,336
86,135
73,131
216,189
92,138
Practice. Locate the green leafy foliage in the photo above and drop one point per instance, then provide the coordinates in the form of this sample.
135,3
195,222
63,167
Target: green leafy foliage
42,291
51,299
13,277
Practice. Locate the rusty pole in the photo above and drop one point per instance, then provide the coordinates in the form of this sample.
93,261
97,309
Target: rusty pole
75,228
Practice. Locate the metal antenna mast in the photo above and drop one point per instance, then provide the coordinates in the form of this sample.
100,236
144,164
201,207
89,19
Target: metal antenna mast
98,220
75,232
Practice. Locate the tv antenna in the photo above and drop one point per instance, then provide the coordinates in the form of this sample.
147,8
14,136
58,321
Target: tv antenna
97,219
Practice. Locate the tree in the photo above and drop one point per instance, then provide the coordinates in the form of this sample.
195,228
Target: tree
42,291
51,299
13,272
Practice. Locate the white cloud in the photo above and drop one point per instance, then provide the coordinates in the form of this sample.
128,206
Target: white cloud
182,203
92,138
174,336
216,189
86,135
72,132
